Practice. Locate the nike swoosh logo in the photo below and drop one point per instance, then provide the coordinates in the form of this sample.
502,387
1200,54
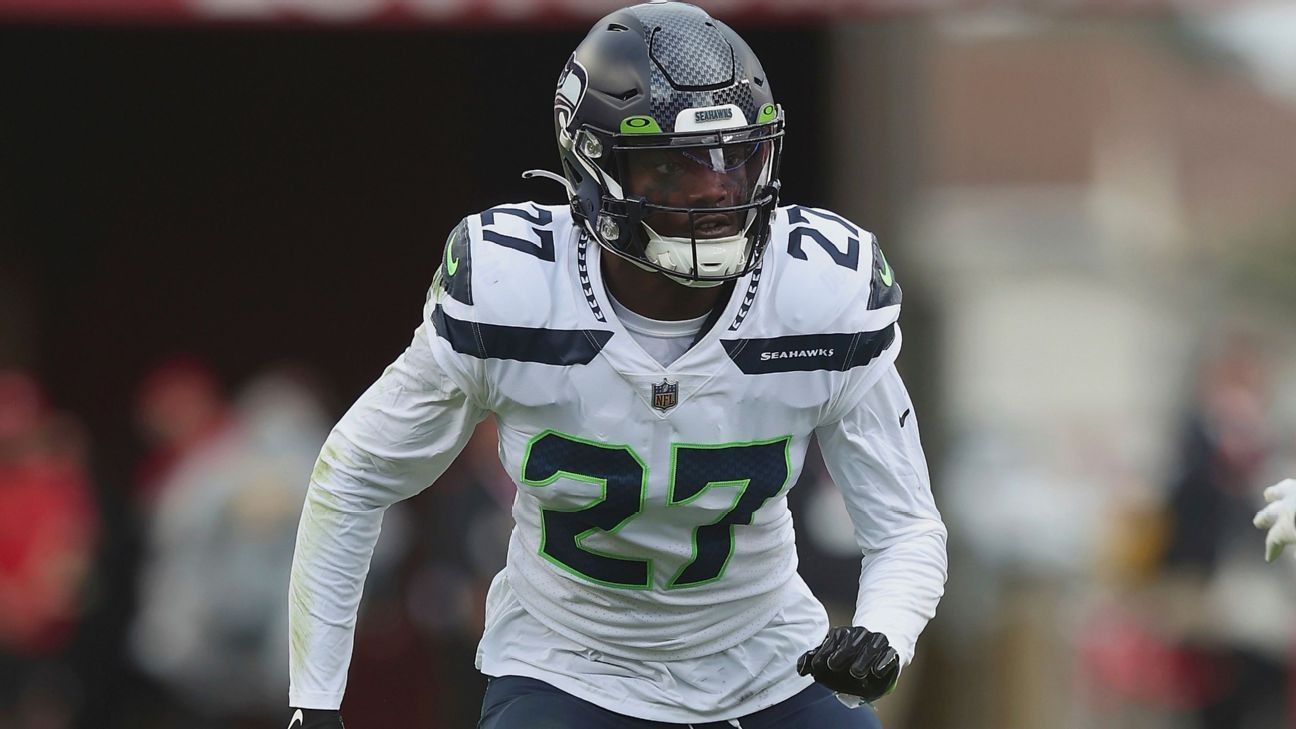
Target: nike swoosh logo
297,719
903,415
452,264
888,277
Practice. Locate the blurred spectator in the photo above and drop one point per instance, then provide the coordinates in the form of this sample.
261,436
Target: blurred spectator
1241,630
179,407
48,530
1223,446
212,622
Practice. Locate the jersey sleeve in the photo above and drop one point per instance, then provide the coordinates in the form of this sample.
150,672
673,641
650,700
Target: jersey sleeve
398,438
875,456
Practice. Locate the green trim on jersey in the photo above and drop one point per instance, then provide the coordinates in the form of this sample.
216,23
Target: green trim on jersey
748,498
742,483
580,537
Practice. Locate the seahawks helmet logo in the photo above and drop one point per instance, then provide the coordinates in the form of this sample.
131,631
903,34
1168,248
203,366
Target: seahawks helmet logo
571,91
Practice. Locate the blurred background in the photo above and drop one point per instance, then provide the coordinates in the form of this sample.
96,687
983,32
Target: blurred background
218,220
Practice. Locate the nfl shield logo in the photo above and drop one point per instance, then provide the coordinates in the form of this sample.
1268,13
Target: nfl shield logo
665,395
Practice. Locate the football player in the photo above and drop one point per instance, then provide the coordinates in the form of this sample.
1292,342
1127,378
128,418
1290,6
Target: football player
1279,517
657,353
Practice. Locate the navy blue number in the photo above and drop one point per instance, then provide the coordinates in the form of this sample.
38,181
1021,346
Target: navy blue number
757,472
544,249
849,259
624,480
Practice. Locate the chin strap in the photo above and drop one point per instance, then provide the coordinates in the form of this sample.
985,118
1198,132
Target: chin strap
547,175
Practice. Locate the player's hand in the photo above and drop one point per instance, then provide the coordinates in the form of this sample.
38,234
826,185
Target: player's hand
315,719
853,661
1279,517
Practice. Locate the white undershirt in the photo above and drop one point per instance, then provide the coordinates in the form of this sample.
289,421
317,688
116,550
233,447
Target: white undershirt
664,341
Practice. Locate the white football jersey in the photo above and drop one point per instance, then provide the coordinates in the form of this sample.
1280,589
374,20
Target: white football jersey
651,519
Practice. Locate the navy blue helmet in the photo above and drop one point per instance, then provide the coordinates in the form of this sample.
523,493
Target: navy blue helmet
670,142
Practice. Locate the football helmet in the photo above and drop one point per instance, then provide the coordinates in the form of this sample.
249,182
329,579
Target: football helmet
670,141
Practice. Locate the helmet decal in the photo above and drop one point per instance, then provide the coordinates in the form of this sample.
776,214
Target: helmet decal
640,125
727,116
668,101
690,54
693,65
571,91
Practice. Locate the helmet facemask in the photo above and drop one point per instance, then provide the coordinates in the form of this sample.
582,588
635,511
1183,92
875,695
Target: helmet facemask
695,206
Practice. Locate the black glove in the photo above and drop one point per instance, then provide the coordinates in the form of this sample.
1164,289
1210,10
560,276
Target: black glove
315,719
853,661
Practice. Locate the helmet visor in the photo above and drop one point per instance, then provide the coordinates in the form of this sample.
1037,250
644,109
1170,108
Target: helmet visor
680,183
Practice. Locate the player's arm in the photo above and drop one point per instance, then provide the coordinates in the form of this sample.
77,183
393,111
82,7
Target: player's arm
875,457
398,438
1279,517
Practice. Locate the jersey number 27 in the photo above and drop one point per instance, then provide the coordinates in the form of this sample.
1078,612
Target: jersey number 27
756,471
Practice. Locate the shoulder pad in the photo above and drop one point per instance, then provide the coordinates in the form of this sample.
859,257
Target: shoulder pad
505,289
501,265
828,274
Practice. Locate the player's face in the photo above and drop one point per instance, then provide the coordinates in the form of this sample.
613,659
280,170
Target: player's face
696,177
